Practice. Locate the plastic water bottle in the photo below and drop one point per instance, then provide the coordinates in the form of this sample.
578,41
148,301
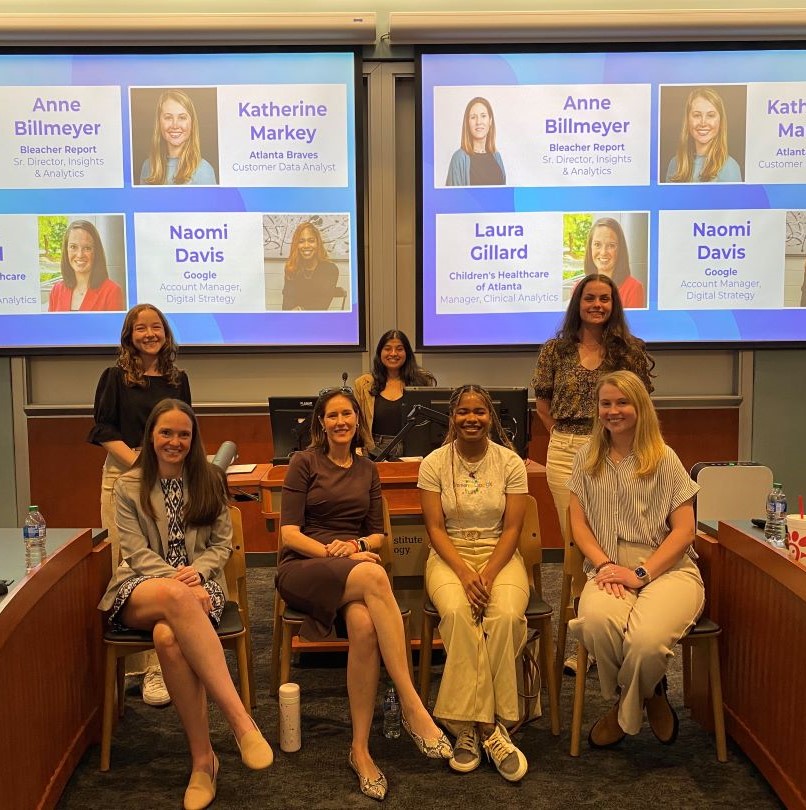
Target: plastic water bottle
391,714
775,527
35,535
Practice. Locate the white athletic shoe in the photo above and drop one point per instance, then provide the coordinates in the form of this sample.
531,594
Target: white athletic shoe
507,758
155,693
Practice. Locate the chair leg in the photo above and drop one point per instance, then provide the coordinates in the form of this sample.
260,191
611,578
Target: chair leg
579,699
243,672
249,661
562,630
547,665
407,640
276,644
110,681
716,699
120,676
426,642
687,675
286,639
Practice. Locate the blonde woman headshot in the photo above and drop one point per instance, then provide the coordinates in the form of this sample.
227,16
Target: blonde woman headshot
477,162
702,148
175,152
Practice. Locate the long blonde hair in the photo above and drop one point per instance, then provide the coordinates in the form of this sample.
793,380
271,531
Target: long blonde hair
717,152
191,152
648,445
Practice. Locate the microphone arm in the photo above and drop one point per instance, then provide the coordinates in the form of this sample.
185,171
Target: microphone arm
418,415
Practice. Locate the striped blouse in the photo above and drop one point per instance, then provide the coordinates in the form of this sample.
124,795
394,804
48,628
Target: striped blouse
621,506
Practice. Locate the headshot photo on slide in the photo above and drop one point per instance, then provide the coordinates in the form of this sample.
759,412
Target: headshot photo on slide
307,262
174,136
82,263
702,133
477,162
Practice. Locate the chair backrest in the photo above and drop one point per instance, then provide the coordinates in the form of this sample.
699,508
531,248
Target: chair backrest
530,546
235,569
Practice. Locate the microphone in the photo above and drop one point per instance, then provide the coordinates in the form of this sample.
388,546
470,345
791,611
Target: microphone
343,380
225,455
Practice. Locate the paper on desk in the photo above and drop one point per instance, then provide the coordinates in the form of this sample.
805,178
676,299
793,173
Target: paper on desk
234,469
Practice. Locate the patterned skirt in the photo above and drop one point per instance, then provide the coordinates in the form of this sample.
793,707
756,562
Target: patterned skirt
127,586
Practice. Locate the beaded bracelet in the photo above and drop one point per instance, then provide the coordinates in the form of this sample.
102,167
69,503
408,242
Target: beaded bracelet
600,567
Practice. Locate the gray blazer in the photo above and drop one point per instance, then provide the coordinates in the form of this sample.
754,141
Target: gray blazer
144,542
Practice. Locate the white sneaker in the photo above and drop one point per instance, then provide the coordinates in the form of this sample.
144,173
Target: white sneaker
466,751
155,693
570,664
507,758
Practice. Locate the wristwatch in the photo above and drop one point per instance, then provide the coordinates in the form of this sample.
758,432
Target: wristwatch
643,575
363,545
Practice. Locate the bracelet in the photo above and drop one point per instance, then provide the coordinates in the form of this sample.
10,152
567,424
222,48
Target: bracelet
600,567
363,545
357,544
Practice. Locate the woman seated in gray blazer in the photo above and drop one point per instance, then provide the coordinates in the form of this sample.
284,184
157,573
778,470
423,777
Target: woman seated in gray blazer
175,537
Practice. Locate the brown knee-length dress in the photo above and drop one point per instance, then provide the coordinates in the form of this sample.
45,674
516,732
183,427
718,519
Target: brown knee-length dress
327,502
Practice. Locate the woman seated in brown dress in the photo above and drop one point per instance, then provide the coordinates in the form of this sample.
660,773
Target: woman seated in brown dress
332,529
175,537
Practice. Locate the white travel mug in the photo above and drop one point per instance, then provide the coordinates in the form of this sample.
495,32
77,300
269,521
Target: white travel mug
290,728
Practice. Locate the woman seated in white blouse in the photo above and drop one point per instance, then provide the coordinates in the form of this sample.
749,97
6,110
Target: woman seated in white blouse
632,517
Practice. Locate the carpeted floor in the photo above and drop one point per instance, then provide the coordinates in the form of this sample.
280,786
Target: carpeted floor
150,762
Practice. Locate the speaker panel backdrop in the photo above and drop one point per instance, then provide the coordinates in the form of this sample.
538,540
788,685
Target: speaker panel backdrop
221,187
680,174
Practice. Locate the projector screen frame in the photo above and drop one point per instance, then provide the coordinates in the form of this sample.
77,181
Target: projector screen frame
593,45
222,48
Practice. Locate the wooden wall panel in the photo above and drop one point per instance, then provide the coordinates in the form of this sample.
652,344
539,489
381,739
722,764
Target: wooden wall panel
66,471
695,434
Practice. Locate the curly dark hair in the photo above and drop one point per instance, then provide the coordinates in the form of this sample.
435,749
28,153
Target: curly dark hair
129,358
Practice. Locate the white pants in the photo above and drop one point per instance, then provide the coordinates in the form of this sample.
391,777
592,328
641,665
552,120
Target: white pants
632,638
480,678
562,450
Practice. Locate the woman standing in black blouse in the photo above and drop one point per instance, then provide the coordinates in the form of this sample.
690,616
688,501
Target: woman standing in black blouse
144,375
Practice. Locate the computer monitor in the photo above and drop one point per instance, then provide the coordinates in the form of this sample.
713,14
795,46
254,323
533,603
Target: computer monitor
511,405
290,425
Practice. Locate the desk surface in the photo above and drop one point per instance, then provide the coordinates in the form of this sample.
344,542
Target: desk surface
12,552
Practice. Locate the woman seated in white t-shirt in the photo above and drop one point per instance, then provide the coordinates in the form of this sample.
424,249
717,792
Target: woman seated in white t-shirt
473,494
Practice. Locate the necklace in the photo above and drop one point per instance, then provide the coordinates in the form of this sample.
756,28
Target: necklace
472,467
345,465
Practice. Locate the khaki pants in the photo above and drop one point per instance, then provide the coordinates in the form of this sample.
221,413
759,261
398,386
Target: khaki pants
632,638
562,450
112,470
480,678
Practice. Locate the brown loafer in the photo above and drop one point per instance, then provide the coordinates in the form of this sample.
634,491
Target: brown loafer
606,732
662,717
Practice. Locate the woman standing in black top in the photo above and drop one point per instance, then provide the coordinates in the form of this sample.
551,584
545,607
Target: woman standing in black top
144,375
